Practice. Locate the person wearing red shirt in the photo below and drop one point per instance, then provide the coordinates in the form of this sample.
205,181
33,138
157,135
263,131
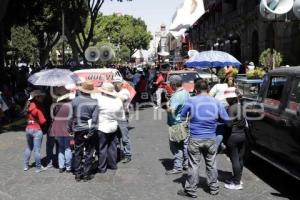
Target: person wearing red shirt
160,88
34,134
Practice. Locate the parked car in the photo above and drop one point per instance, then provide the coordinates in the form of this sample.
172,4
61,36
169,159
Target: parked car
276,137
208,75
249,88
188,77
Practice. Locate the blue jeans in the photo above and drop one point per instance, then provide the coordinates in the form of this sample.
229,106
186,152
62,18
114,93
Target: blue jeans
221,129
179,151
123,125
34,139
65,153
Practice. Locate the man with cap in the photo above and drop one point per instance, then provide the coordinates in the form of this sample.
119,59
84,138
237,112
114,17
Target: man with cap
84,109
250,66
110,111
124,95
203,112
176,103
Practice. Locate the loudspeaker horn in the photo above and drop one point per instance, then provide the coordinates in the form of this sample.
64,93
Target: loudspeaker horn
296,8
106,53
270,8
92,54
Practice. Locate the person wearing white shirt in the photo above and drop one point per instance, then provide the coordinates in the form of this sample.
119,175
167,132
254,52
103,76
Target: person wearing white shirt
124,95
218,91
110,111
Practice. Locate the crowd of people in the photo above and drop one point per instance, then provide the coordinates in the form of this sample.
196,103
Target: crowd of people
88,129
96,119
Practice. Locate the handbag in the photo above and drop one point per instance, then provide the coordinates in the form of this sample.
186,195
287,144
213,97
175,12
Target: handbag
178,132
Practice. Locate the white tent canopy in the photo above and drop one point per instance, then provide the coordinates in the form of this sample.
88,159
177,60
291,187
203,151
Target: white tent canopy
141,53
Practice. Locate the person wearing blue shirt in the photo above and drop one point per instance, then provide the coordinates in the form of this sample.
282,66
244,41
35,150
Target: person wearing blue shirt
176,103
204,114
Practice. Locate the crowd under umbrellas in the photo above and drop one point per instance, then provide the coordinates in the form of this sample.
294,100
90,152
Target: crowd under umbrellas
76,118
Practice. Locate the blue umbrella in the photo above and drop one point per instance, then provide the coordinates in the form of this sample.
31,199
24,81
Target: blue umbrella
54,77
211,59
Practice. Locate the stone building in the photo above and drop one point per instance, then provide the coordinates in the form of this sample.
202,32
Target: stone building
237,27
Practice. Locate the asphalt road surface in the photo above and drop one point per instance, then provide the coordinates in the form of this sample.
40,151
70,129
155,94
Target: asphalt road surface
142,179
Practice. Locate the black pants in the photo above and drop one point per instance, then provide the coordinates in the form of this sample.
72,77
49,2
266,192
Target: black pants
107,151
84,149
236,147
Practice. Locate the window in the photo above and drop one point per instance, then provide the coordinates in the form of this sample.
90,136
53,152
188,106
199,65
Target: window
275,91
294,99
187,77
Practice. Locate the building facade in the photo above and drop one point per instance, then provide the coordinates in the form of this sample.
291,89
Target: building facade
236,26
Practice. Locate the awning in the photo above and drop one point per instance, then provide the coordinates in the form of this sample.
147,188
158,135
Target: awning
187,14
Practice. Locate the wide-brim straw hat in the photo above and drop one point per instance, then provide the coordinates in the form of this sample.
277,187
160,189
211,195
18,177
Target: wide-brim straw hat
109,89
36,93
117,79
87,87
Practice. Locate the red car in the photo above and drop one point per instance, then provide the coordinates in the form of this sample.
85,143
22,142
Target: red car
188,78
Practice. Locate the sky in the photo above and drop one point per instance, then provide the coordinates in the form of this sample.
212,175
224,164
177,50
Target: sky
153,12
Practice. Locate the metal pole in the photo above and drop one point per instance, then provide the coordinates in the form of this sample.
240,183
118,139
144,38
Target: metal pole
63,37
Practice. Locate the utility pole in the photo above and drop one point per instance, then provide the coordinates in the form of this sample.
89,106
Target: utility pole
63,37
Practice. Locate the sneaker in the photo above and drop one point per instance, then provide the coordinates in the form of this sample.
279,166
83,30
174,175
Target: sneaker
156,107
213,192
233,186
68,170
230,181
101,171
50,166
61,170
38,170
126,160
173,171
26,168
78,178
185,194
87,178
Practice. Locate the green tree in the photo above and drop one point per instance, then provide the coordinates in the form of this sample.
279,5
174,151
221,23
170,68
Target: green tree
270,59
81,33
122,30
24,44
45,21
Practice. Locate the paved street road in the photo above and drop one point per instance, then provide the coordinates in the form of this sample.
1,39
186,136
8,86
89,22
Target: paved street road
142,179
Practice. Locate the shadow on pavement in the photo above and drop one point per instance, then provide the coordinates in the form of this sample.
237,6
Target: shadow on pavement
167,163
202,182
224,175
286,186
130,128
18,125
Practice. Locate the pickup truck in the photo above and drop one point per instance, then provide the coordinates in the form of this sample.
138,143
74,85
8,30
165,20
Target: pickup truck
275,137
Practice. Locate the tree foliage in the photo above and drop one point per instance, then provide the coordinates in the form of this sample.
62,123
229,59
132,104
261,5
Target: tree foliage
122,30
44,19
24,44
270,60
